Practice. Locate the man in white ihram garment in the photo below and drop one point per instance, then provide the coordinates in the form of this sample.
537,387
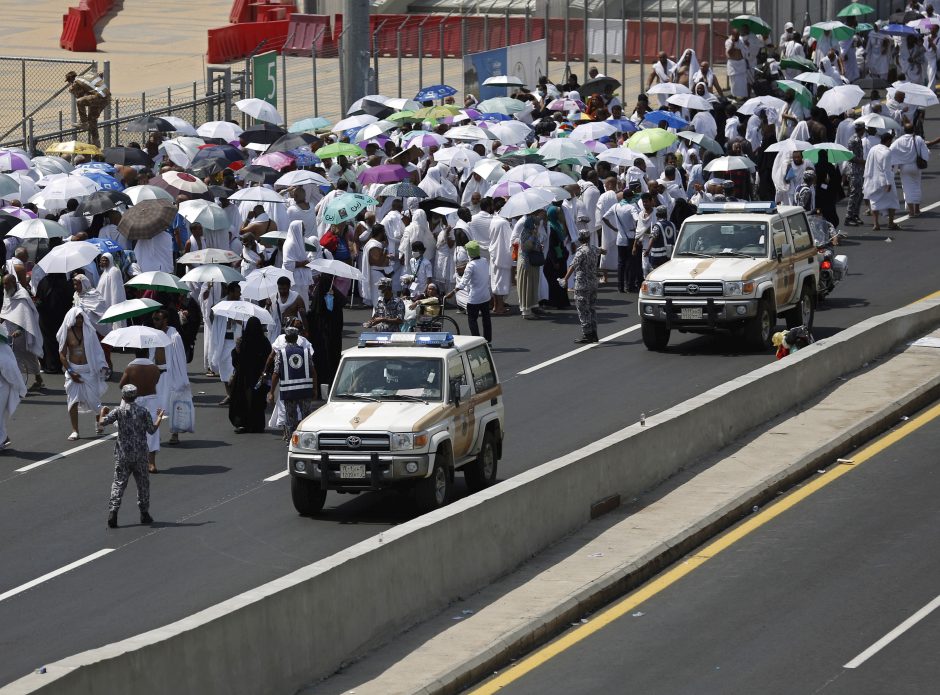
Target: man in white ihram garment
12,386
905,151
155,253
174,394
737,65
662,71
84,364
500,250
111,284
878,186
21,319
225,332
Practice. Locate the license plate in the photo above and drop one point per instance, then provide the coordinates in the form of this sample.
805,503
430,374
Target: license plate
352,470
691,313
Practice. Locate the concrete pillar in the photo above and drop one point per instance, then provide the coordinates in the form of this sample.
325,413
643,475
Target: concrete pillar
355,49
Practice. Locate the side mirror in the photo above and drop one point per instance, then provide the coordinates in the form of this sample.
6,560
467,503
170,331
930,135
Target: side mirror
778,254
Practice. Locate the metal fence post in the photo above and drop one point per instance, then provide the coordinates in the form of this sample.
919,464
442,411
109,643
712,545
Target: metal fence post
604,38
398,52
107,111
567,21
284,81
23,95
548,12
695,27
441,32
506,25
342,92
678,25
623,49
711,35
30,140
643,53
421,54
313,57
528,32
585,40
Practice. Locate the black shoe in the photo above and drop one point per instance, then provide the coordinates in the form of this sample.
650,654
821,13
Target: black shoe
594,338
145,518
112,520
584,339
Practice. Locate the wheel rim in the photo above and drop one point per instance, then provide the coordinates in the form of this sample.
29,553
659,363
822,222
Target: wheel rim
440,485
806,309
489,462
765,326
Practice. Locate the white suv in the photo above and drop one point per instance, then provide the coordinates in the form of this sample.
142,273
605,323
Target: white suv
735,266
406,409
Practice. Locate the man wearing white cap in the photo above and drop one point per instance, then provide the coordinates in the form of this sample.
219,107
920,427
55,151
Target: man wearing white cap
786,36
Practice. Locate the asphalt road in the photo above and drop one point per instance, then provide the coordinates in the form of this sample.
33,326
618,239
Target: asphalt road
221,529
801,605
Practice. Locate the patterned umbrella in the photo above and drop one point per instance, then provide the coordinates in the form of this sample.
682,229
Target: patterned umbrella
182,181
437,91
72,147
402,190
346,207
504,189
104,181
106,245
147,219
19,213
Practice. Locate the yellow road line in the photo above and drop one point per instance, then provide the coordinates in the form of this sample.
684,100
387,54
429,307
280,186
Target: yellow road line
932,295
693,562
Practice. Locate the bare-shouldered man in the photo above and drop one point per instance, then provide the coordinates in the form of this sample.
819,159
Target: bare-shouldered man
144,374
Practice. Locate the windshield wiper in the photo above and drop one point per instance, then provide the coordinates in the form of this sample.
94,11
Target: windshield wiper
695,254
358,397
736,254
405,397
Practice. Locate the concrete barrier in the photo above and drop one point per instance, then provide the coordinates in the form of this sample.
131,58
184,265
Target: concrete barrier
303,626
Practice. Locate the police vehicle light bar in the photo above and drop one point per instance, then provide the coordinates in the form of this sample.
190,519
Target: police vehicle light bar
762,207
439,340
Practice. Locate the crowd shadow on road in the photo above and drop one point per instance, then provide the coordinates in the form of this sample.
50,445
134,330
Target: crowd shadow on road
176,524
196,469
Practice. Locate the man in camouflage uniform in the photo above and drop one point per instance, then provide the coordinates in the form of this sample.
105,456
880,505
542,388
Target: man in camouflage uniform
91,98
856,173
584,266
130,451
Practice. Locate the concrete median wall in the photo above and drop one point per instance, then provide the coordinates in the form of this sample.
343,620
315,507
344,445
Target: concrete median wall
303,626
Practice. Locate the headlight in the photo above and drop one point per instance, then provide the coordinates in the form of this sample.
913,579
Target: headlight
305,440
408,441
738,289
652,289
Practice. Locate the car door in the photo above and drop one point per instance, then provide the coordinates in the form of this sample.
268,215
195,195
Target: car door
486,388
804,247
463,411
784,278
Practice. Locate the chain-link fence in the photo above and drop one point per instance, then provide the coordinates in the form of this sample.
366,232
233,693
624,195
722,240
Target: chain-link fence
36,87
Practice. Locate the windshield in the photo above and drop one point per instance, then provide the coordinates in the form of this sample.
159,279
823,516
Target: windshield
389,378
723,239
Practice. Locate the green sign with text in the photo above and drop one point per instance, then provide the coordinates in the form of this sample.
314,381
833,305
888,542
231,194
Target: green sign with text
264,77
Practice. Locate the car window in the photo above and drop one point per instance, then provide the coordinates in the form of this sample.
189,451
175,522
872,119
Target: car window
456,371
802,239
780,237
717,238
481,367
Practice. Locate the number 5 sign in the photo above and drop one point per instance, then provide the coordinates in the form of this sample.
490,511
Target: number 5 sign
264,77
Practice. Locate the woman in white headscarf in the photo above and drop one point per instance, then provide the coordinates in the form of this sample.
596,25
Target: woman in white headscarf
296,260
418,230
444,257
111,284
436,186
91,302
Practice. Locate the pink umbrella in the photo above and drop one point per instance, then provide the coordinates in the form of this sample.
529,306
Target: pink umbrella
384,173
21,213
13,161
275,160
596,146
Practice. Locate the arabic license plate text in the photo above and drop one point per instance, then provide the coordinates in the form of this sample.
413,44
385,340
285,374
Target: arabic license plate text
352,470
692,313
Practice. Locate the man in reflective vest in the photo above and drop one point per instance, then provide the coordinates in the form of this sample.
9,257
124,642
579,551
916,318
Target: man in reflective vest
297,377
662,238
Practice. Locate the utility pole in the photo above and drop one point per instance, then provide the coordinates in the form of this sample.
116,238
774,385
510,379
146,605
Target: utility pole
356,42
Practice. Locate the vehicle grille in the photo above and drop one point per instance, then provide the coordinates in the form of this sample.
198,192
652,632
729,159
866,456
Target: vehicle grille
693,289
340,441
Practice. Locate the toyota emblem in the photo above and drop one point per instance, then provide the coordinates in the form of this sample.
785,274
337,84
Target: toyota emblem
692,289
354,442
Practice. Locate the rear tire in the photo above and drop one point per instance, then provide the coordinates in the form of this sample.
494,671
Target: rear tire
655,335
307,496
759,331
805,310
480,474
434,491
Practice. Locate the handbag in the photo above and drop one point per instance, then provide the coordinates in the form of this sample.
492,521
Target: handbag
921,163
535,257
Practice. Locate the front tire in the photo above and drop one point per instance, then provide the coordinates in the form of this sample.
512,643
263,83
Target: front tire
434,491
805,310
480,474
307,496
759,330
655,335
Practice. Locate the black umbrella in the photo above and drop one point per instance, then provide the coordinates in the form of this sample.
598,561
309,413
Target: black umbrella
149,124
869,83
430,203
128,156
598,86
229,153
102,201
220,191
263,133
258,174
8,222
207,166
292,141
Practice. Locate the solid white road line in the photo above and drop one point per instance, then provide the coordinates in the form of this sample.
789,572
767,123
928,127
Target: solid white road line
894,634
66,453
925,208
62,570
579,350
276,476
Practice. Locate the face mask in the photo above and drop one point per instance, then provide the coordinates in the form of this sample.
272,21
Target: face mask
415,254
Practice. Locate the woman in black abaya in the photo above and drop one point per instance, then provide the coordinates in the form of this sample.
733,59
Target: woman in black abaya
249,393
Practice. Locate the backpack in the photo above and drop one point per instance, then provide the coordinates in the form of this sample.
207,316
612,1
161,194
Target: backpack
330,241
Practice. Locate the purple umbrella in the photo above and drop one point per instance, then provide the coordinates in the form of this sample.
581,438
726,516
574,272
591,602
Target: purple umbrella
504,189
21,213
385,173
13,161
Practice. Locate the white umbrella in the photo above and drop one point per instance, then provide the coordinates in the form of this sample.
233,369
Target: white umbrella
210,215
752,106
259,109
8,185
357,104
914,94
242,311
563,148
550,178
65,186
879,122
816,78
181,126
623,156
402,104
732,163
261,284
337,268
38,229
69,256
146,192
526,201
257,194
358,121
138,337
212,272
843,98
668,88
181,150
469,132
301,177
374,130
510,132
26,186
51,165
503,81
219,129
594,130
158,280
184,182
788,145
457,157
208,256
523,172
690,101
489,169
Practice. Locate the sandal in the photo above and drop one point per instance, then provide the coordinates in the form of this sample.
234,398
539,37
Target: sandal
174,439
894,226
73,437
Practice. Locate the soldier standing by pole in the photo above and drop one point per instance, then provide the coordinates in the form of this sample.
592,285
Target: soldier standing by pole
91,98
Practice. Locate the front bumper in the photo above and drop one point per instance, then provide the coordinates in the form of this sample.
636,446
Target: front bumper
381,469
715,311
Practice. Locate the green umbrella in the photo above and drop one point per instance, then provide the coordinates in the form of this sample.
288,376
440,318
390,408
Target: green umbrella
159,281
802,93
309,124
752,22
863,27
339,149
798,63
402,116
651,140
346,207
840,32
856,9
129,309
836,153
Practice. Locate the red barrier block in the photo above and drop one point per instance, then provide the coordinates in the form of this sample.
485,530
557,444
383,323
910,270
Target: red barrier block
236,41
78,31
304,29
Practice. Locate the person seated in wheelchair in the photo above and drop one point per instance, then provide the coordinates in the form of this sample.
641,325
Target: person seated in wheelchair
427,308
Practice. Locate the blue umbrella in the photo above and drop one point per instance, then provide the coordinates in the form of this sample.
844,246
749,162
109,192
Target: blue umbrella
303,158
309,124
899,30
107,183
103,166
673,121
437,91
624,125
106,245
